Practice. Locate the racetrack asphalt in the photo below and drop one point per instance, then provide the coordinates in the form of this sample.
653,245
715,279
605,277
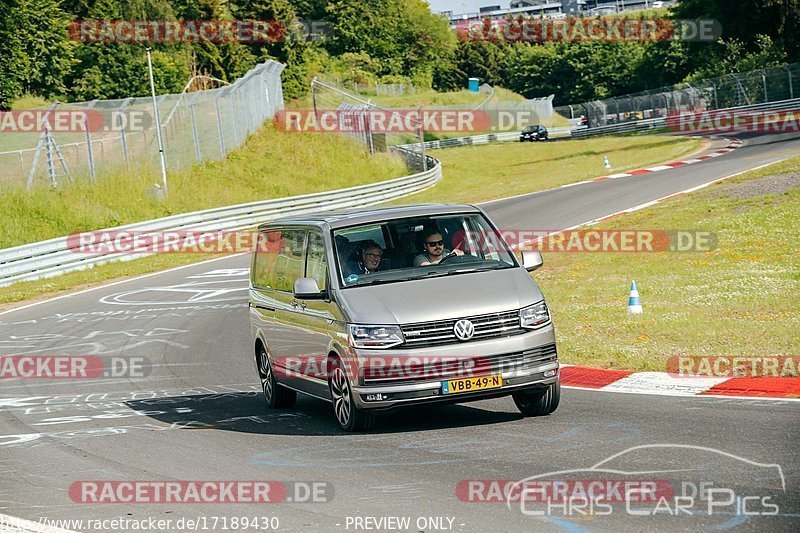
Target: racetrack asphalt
198,415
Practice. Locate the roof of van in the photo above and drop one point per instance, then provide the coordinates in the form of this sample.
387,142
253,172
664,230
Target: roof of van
365,215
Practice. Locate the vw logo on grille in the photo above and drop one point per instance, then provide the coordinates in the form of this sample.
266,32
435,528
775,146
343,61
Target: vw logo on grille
464,329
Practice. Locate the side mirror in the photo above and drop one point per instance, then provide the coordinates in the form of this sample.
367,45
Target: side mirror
307,289
531,260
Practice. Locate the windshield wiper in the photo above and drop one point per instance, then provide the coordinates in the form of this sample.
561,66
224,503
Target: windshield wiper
379,281
459,271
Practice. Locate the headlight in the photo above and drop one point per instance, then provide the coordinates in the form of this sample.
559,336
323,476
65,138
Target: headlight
379,337
534,316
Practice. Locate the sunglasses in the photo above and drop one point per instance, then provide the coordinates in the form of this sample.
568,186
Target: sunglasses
434,243
377,256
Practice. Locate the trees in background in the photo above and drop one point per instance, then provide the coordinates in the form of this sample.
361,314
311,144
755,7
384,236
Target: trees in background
369,41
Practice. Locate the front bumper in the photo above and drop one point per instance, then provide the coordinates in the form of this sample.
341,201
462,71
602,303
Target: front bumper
410,392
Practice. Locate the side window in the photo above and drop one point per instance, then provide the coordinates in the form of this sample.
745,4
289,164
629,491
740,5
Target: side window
279,259
316,266
268,246
289,261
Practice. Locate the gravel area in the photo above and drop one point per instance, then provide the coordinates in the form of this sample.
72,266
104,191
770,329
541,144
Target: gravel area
778,184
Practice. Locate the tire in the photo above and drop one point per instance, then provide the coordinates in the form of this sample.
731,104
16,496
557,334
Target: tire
349,417
275,395
538,402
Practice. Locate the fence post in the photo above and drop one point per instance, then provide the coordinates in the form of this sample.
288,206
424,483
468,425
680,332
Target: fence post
122,135
219,126
194,133
791,89
764,79
714,86
89,152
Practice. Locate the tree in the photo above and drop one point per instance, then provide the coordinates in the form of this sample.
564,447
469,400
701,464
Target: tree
119,70
743,21
35,49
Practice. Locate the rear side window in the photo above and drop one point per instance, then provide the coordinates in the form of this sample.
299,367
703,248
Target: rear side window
267,248
279,259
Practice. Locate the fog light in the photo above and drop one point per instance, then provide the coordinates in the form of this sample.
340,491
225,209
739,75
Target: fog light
550,373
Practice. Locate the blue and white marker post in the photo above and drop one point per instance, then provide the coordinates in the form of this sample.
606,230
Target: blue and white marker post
634,302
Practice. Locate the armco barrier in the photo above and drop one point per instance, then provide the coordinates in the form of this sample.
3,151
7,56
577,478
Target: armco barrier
661,122
485,138
53,257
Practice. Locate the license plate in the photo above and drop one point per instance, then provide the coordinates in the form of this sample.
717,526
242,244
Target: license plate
455,386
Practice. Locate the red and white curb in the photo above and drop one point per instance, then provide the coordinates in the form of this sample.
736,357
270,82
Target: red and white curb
732,145
666,384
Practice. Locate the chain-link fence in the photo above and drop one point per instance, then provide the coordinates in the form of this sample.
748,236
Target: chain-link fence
353,113
197,126
733,90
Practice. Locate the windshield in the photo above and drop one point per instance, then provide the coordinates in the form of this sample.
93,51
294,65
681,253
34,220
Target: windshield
414,248
530,129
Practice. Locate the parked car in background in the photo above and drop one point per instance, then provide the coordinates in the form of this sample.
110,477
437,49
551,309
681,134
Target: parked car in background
535,132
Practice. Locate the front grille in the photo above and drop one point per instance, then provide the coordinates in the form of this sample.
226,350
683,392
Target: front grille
416,369
441,331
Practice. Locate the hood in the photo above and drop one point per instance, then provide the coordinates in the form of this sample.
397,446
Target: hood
424,300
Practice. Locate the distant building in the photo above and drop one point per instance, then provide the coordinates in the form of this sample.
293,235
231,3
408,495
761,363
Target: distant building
550,8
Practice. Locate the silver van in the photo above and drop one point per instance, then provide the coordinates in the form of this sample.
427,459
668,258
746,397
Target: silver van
377,308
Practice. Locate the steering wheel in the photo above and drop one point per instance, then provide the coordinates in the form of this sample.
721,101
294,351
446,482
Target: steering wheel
448,256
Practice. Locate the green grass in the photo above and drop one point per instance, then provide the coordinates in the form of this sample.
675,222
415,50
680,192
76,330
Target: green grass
479,173
269,165
29,102
740,299
301,169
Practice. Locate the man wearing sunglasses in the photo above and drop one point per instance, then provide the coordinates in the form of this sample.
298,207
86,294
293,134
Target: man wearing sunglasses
433,243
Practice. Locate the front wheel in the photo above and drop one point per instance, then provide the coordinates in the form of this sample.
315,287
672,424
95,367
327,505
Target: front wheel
538,402
348,415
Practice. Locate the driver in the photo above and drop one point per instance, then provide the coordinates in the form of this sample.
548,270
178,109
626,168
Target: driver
434,249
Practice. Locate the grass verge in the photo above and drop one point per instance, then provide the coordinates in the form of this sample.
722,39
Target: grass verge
480,173
734,300
478,190
269,165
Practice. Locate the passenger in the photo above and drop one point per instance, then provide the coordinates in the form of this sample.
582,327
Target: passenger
434,248
369,259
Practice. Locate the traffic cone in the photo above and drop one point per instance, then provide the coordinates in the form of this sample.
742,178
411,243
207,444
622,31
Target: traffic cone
606,162
634,302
